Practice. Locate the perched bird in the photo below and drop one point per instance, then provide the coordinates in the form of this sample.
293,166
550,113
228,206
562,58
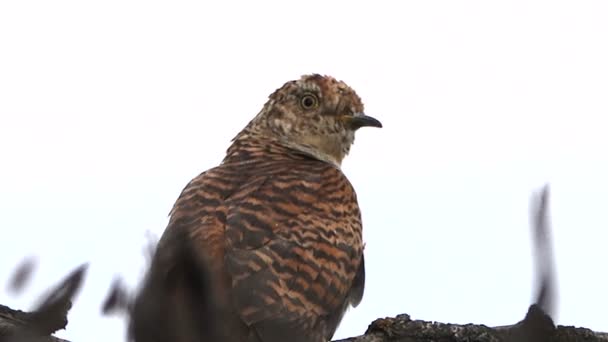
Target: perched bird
277,224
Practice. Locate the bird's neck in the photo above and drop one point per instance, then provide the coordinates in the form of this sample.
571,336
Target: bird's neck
252,146
311,148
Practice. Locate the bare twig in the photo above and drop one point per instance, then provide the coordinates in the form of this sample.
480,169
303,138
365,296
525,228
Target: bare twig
22,275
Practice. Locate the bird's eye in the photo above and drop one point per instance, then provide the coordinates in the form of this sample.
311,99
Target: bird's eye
309,101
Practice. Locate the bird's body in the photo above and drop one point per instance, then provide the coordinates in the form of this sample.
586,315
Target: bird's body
277,222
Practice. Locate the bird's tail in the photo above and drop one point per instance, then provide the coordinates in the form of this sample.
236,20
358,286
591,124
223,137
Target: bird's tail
177,301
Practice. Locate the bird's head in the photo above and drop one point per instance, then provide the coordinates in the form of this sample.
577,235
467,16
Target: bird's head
315,114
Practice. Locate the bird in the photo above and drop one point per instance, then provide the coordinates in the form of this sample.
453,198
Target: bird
276,226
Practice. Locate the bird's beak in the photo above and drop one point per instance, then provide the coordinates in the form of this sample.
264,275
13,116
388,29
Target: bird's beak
359,120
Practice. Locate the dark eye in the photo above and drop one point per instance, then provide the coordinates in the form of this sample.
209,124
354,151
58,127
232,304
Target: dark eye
309,101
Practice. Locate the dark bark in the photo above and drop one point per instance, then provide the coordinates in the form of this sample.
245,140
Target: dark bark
49,316
535,327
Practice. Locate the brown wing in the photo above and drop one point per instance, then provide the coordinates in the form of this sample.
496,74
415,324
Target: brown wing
283,241
185,281
293,250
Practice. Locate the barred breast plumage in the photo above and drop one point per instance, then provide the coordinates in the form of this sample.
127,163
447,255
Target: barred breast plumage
277,222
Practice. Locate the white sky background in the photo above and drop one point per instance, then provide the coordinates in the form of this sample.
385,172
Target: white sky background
107,110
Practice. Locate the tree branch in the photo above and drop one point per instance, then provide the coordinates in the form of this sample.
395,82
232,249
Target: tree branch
49,316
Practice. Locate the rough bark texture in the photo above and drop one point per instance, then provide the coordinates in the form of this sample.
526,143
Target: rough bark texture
17,325
537,326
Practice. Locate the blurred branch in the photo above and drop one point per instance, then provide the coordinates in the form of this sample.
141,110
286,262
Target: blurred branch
546,293
49,316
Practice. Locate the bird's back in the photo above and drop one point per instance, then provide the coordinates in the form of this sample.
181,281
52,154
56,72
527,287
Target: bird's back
281,235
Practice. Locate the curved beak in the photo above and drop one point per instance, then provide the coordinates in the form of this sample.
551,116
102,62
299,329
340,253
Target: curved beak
359,120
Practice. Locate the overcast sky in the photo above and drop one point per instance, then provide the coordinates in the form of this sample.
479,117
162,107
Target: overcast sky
108,109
